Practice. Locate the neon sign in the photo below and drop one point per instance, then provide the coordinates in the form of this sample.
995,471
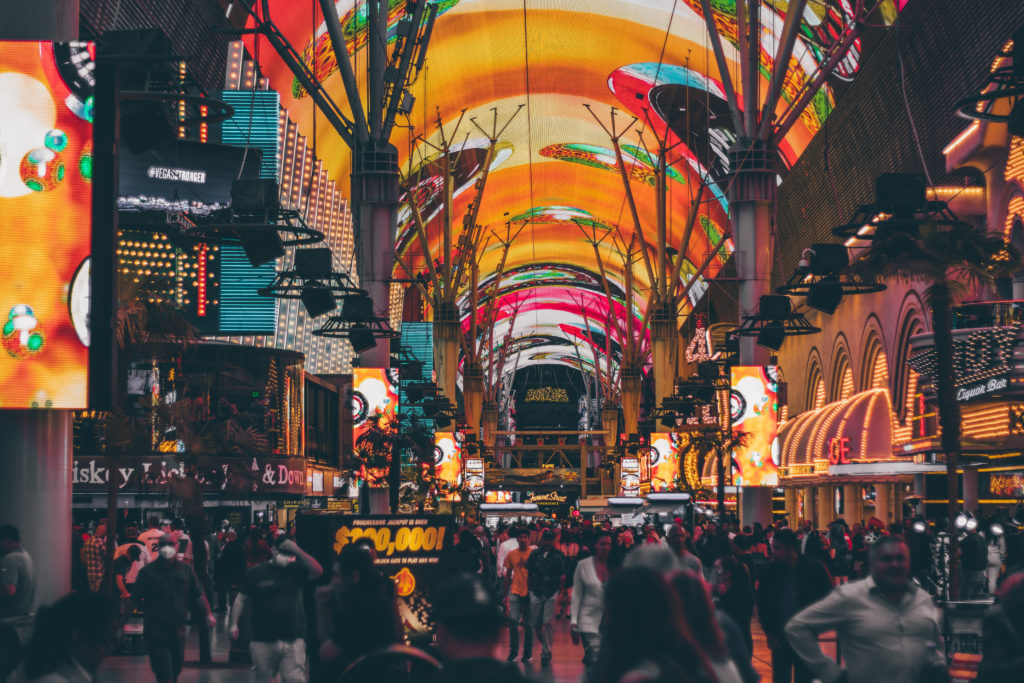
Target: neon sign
839,450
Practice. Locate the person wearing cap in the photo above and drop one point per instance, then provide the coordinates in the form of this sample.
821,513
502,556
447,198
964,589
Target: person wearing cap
545,569
167,588
469,622
273,591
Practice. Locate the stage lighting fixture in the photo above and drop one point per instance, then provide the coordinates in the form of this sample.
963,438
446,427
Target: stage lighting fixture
669,420
771,337
413,393
828,258
996,529
825,296
442,421
971,524
961,521
313,263
254,196
357,308
774,306
317,298
261,246
361,337
708,371
920,527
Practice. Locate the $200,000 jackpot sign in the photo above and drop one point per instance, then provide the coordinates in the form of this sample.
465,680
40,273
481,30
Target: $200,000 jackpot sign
414,551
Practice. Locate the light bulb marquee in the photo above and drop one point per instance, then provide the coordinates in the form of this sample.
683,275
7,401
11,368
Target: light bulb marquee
982,361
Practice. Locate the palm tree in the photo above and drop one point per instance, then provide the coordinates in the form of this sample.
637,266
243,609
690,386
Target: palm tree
952,257
719,444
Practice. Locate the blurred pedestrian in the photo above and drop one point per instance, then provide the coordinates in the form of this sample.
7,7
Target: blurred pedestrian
973,563
122,569
677,540
1003,634
273,592
735,593
588,583
545,577
790,583
469,622
94,554
228,570
167,589
700,615
17,595
70,640
889,628
644,636
150,538
517,589
355,614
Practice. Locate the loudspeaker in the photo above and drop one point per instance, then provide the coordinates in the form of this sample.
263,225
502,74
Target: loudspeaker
771,337
774,306
825,296
442,421
361,338
413,393
357,308
317,298
256,195
907,190
312,263
829,258
261,246
708,371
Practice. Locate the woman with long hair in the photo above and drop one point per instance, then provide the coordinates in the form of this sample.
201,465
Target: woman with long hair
70,640
588,600
644,636
716,634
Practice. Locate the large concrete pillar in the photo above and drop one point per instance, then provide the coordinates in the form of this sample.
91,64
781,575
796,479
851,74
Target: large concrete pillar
631,399
826,512
446,351
663,345
792,507
473,396
35,493
883,503
489,424
969,482
754,501
852,504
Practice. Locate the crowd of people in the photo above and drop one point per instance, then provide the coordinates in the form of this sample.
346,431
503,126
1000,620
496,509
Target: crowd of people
658,602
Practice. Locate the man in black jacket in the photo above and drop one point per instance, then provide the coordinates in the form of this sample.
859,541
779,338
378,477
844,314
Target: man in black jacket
792,582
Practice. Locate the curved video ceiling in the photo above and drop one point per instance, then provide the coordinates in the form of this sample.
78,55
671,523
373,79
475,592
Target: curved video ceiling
554,172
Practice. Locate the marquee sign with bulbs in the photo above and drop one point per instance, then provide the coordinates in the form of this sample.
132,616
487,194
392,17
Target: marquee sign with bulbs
983,361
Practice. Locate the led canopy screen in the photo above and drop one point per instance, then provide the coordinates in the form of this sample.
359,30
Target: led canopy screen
754,406
45,223
374,397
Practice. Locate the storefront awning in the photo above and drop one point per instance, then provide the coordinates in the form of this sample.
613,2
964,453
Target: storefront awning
854,430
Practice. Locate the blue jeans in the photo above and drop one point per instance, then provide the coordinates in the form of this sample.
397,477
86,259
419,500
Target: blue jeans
519,610
543,612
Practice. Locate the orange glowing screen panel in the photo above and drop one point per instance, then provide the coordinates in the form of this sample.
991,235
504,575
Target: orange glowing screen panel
45,223
448,458
754,406
664,461
374,397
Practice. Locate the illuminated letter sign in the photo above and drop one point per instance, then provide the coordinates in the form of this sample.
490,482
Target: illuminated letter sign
839,450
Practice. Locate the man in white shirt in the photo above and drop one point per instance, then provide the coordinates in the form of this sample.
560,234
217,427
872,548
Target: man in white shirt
505,548
890,629
132,538
150,538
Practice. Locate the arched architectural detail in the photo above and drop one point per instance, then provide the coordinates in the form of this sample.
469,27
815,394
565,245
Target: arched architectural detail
912,320
814,395
874,362
841,383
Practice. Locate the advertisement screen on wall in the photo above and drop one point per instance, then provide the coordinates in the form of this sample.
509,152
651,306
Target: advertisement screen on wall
754,408
629,476
664,461
448,459
374,397
46,123
475,475
413,551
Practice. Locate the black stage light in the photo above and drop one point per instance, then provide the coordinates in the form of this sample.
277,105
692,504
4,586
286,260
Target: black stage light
708,371
774,306
442,421
254,196
361,338
357,308
261,245
825,296
414,393
317,298
313,263
668,420
901,190
829,258
771,337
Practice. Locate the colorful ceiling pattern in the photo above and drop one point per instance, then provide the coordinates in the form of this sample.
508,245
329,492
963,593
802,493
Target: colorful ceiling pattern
554,172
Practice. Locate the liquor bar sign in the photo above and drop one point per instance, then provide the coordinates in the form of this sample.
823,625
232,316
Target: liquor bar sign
982,361
153,473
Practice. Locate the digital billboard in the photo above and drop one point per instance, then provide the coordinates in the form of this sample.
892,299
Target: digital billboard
46,152
475,476
754,408
629,476
664,461
374,397
448,459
